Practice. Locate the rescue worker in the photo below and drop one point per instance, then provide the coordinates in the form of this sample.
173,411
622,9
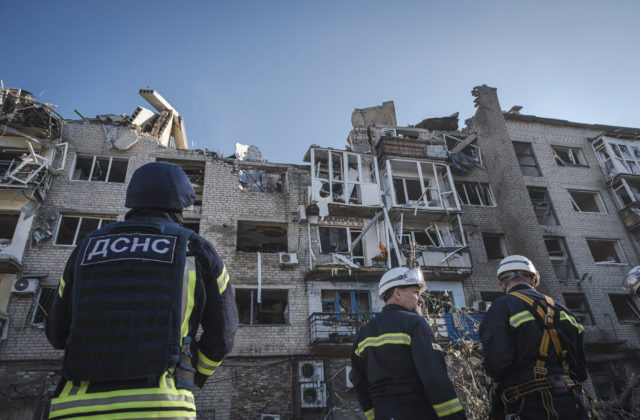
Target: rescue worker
398,369
532,349
129,304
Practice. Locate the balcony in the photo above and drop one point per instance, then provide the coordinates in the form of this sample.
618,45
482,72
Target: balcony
332,333
631,217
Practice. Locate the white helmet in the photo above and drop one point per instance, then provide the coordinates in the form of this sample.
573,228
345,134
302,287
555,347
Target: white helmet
401,276
518,263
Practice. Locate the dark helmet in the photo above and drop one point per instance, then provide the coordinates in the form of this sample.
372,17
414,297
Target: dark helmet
160,185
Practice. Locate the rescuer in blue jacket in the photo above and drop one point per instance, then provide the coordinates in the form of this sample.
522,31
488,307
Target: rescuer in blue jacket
130,302
533,351
398,369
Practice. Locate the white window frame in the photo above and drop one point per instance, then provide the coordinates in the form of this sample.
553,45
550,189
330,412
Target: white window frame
423,202
617,247
80,218
37,306
575,155
93,165
565,258
349,231
602,209
616,160
345,173
469,184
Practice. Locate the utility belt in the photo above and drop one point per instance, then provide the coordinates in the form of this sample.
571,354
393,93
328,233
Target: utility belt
558,384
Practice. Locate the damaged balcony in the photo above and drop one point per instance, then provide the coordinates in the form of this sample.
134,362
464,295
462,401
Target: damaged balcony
348,253
440,249
420,190
617,157
343,183
332,333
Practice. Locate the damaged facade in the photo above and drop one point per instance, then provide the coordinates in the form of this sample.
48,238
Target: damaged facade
307,244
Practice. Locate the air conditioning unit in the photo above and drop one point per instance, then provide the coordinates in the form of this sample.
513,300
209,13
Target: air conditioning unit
632,282
481,305
25,286
288,258
313,395
311,371
270,417
347,381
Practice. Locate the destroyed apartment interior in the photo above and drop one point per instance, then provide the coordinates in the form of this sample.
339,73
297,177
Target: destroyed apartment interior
306,243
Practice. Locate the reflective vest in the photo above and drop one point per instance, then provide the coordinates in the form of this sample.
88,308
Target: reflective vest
129,302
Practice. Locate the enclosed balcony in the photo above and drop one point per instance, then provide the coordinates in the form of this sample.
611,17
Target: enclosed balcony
343,183
418,186
617,156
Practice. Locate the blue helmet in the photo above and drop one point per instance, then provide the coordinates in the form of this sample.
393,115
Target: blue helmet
160,185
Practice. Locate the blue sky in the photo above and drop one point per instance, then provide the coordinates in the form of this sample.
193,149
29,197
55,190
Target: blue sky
283,75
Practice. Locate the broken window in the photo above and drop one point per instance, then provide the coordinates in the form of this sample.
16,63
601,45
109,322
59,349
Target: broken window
262,180
475,194
625,308
494,245
587,202
345,301
627,157
73,229
577,304
338,240
439,302
195,172
101,169
10,159
606,163
8,224
560,259
491,296
194,225
41,304
428,237
526,159
542,206
606,251
261,237
568,156
627,191
272,308
407,190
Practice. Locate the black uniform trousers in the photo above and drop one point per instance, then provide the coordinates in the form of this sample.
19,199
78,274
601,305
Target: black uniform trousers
545,405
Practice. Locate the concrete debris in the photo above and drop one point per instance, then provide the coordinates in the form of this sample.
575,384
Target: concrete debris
249,153
384,114
144,118
169,124
462,162
19,110
449,123
111,131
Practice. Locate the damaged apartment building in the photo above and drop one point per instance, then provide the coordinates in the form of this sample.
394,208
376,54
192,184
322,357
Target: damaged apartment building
306,244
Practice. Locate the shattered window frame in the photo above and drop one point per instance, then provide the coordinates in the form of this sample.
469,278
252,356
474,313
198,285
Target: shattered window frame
597,200
482,191
625,308
349,236
94,159
338,302
579,306
540,204
341,187
262,179
628,189
617,248
501,244
573,156
440,188
40,307
560,258
273,247
526,159
81,217
255,308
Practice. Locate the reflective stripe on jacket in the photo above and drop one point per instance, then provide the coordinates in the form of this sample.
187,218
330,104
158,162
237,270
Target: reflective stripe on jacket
395,355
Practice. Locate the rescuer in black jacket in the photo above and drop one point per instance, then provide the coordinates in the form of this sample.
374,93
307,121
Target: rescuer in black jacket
130,302
399,371
532,349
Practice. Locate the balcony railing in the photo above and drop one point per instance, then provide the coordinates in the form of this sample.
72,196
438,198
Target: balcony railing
336,327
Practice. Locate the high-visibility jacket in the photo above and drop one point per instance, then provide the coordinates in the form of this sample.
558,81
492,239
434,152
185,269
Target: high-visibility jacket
205,298
396,362
511,337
